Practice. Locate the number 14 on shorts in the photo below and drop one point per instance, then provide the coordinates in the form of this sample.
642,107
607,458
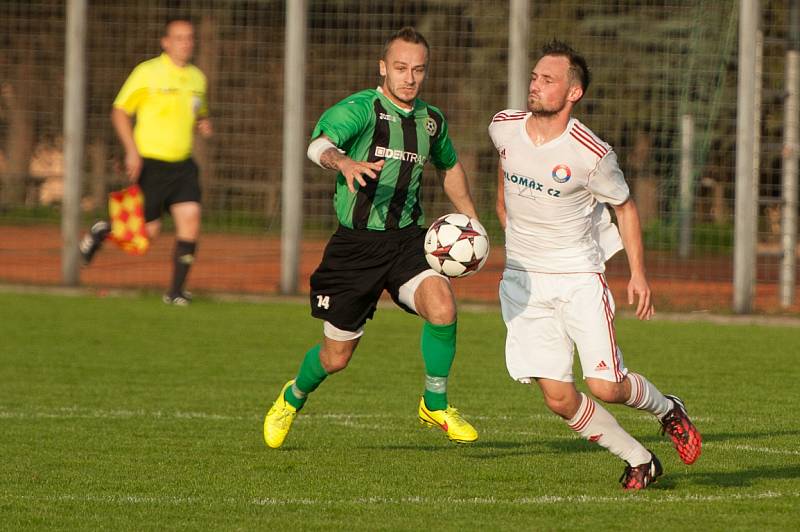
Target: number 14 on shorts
323,302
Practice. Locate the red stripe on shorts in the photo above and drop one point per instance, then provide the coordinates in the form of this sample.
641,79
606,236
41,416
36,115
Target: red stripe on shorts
618,376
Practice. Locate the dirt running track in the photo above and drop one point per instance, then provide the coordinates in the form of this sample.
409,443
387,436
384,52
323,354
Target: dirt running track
248,264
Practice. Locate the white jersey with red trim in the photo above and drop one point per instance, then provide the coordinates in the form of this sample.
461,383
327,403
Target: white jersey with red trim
555,196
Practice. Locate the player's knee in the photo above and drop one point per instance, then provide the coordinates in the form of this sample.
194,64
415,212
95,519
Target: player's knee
607,391
434,301
561,398
336,363
561,405
440,310
153,229
334,360
442,315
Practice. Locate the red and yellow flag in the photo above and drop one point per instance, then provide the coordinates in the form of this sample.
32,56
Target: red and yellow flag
126,210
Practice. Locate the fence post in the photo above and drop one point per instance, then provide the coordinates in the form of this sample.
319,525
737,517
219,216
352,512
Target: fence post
746,215
790,163
518,68
74,138
687,186
293,144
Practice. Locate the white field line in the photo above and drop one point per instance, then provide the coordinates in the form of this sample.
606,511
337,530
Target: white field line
750,449
75,412
92,413
648,498
351,420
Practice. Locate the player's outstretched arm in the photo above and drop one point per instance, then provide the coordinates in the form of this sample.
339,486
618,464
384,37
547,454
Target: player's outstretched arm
630,229
456,187
500,206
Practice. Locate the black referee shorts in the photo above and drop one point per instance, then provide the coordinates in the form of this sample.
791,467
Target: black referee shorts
357,266
164,183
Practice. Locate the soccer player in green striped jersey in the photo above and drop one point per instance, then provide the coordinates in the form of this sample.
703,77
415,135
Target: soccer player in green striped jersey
378,141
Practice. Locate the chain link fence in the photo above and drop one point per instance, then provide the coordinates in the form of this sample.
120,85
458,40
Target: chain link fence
654,63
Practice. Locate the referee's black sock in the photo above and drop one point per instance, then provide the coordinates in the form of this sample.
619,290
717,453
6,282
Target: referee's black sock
183,259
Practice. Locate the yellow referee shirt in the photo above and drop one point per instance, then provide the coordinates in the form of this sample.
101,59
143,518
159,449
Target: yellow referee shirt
166,99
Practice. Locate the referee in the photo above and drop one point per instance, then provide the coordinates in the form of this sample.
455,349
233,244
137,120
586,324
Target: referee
167,97
377,141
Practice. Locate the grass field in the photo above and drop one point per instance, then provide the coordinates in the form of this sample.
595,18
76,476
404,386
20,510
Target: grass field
125,414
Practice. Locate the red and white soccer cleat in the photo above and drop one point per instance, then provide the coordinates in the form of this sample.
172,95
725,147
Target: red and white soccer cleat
641,476
684,434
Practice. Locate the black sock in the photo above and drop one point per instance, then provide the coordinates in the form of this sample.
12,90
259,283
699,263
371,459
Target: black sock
183,259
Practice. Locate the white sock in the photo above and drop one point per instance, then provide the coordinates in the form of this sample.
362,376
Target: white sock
645,396
596,424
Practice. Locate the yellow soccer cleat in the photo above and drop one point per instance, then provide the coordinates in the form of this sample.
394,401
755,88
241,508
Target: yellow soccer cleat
457,428
279,420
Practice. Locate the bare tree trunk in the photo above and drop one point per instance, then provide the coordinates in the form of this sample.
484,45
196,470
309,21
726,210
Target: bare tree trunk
206,61
17,98
719,205
98,163
645,185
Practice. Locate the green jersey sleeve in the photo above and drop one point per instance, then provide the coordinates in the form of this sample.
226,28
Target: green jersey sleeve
443,154
345,121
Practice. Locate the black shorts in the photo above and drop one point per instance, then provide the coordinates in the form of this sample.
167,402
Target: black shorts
357,266
165,183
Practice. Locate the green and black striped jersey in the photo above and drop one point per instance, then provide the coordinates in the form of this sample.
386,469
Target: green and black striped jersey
370,127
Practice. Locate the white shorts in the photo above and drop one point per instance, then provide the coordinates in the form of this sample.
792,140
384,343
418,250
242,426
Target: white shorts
548,315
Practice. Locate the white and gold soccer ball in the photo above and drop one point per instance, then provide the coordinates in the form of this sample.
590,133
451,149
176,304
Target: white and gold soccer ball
456,245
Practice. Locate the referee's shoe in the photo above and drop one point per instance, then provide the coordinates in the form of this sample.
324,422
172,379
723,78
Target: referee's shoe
93,240
181,299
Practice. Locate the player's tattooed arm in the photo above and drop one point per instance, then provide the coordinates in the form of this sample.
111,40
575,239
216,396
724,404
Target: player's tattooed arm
331,158
326,154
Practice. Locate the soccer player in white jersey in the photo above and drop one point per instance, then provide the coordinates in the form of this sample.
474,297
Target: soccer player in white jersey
554,179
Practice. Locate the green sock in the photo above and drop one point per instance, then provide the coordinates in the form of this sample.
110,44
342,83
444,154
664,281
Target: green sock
309,377
438,351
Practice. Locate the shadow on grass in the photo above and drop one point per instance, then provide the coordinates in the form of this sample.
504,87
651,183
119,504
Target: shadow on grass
719,437
445,447
487,449
738,479
747,437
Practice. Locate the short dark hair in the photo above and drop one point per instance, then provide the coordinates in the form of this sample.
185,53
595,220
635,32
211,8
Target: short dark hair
409,35
176,18
578,69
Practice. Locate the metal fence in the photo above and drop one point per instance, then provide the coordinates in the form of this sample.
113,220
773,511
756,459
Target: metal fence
658,66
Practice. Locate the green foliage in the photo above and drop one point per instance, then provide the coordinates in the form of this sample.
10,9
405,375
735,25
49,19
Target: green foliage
30,215
708,238
126,414
713,237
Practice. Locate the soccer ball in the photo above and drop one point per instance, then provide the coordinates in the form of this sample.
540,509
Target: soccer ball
456,245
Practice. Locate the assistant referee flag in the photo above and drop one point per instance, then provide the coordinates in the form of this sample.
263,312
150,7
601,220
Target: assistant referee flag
126,209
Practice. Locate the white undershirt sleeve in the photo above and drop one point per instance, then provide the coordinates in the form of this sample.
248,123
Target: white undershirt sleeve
319,146
607,182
